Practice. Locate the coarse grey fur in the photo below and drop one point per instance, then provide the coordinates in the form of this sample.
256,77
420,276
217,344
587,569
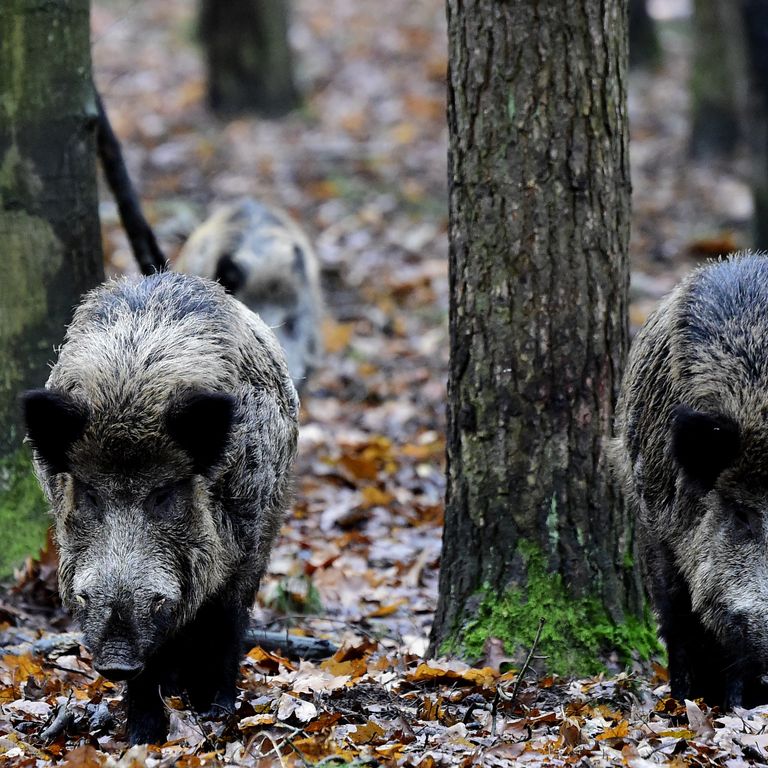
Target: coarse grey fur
692,448
264,259
164,443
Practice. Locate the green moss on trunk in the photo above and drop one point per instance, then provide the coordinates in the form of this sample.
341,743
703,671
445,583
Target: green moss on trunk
23,518
577,634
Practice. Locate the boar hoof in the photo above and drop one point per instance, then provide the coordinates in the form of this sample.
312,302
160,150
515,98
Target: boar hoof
148,730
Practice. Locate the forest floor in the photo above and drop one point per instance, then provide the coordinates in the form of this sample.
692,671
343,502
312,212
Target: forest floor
363,166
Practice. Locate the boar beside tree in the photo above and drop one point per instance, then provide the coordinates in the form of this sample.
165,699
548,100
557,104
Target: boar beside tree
539,223
248,56
49,227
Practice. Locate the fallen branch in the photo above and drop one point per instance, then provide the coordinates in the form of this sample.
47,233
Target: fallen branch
140,235
291,646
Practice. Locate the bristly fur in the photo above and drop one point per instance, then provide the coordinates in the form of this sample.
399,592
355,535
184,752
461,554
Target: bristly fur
692,448
166,501
263,259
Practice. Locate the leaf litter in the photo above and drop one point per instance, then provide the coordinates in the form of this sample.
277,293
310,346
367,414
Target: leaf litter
363,167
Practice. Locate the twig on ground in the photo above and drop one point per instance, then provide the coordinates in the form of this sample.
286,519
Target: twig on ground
275,748
290,743
511,698
62,720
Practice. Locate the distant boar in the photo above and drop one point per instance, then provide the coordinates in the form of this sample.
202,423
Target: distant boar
164,442
692,447
263,259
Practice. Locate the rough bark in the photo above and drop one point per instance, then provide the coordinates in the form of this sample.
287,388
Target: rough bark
539,225
250,66
48,218
718,78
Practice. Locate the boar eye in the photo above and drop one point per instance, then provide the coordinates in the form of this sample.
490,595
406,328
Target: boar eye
162,501
748,520
89,499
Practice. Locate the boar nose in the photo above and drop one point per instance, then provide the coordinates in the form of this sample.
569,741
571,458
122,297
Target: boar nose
119,670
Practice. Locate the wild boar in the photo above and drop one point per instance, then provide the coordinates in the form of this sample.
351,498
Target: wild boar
692,448
263,259
164,441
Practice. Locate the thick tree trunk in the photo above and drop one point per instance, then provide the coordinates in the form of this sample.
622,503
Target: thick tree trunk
539,224
250,66
49,227
718,78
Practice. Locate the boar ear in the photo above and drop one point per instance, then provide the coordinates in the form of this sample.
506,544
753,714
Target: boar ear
54,421
200,422
229,274
703,444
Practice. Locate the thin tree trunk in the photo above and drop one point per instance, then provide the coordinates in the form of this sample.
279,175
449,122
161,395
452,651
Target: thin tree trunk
49,226
250,66
539,225
755,19
718,78
644,47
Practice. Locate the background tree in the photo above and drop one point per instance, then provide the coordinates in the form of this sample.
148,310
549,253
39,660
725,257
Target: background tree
49,228
539,225
250,66
718,78
644,47
755,20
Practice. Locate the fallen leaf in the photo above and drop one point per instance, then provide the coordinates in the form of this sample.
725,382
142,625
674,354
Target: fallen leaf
84,757
700,723
290,706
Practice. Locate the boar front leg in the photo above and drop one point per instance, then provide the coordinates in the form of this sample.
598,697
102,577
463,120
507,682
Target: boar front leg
147,721
214,643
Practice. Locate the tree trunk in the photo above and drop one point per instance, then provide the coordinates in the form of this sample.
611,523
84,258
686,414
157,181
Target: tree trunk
718,78
644,48
755,19
250,66
539,224
49,226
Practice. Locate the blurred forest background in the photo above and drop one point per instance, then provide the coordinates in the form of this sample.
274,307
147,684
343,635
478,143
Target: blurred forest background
358,157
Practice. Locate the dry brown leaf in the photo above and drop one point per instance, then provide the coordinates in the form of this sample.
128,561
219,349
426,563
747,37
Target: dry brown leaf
375,497
323,721
267,659
618,731
452,671
357,649
360,467
353,668
387,610
336,336
84,757
370,733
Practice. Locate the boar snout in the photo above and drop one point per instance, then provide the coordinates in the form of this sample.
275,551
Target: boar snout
117,670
